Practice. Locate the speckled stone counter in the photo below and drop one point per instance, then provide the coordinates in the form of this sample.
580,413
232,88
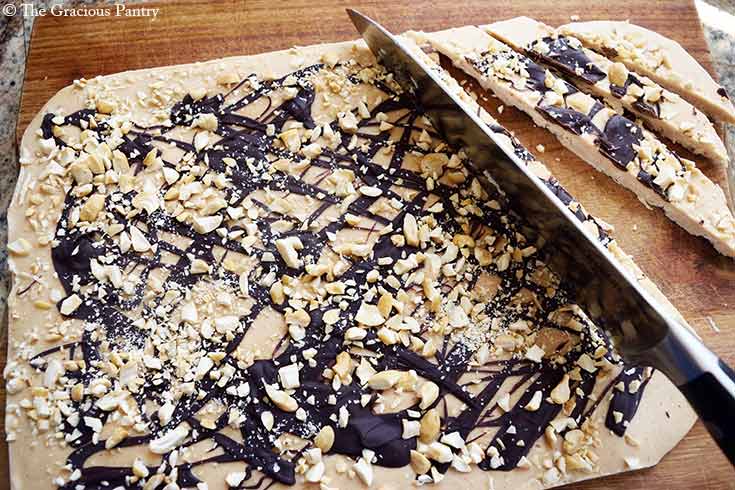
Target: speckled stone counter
718,19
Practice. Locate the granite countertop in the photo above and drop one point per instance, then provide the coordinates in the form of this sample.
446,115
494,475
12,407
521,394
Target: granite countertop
717,16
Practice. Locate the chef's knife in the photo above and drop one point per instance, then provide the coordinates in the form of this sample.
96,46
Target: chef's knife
645,334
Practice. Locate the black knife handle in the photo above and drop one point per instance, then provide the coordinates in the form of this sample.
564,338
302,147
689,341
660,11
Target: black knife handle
704,379
714,402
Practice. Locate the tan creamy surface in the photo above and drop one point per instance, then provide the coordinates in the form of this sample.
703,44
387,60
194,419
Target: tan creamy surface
34,463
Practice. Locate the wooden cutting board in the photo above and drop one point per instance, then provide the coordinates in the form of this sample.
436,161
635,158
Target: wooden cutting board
688,270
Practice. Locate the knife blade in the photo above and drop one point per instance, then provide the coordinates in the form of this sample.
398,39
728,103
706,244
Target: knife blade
643,331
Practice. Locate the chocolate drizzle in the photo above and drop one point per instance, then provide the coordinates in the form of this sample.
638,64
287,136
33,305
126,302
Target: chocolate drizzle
569,57
571,120
246,141
620,137
643,106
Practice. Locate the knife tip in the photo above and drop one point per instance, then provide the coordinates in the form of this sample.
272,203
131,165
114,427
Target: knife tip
359,20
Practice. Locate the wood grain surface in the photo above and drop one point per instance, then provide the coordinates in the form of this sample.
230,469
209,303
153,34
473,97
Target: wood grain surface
695,278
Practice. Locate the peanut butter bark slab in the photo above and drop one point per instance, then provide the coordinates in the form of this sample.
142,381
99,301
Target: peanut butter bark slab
270,271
